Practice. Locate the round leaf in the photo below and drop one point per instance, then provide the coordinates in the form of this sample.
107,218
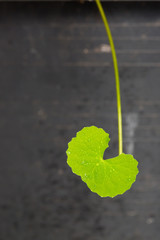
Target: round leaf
107,178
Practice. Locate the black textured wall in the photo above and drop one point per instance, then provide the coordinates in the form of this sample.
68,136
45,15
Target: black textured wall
56,76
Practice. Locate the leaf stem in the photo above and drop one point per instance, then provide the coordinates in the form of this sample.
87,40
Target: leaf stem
119,111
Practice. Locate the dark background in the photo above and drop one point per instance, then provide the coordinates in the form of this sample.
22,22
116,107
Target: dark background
56,76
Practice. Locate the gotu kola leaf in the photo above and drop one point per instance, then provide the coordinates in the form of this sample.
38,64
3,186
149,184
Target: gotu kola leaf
107,178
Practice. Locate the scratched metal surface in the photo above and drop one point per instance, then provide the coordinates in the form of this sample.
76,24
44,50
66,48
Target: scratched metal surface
56,76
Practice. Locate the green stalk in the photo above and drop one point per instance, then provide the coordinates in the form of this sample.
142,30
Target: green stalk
119,111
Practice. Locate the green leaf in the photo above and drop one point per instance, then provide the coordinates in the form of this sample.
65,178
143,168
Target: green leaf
107,178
